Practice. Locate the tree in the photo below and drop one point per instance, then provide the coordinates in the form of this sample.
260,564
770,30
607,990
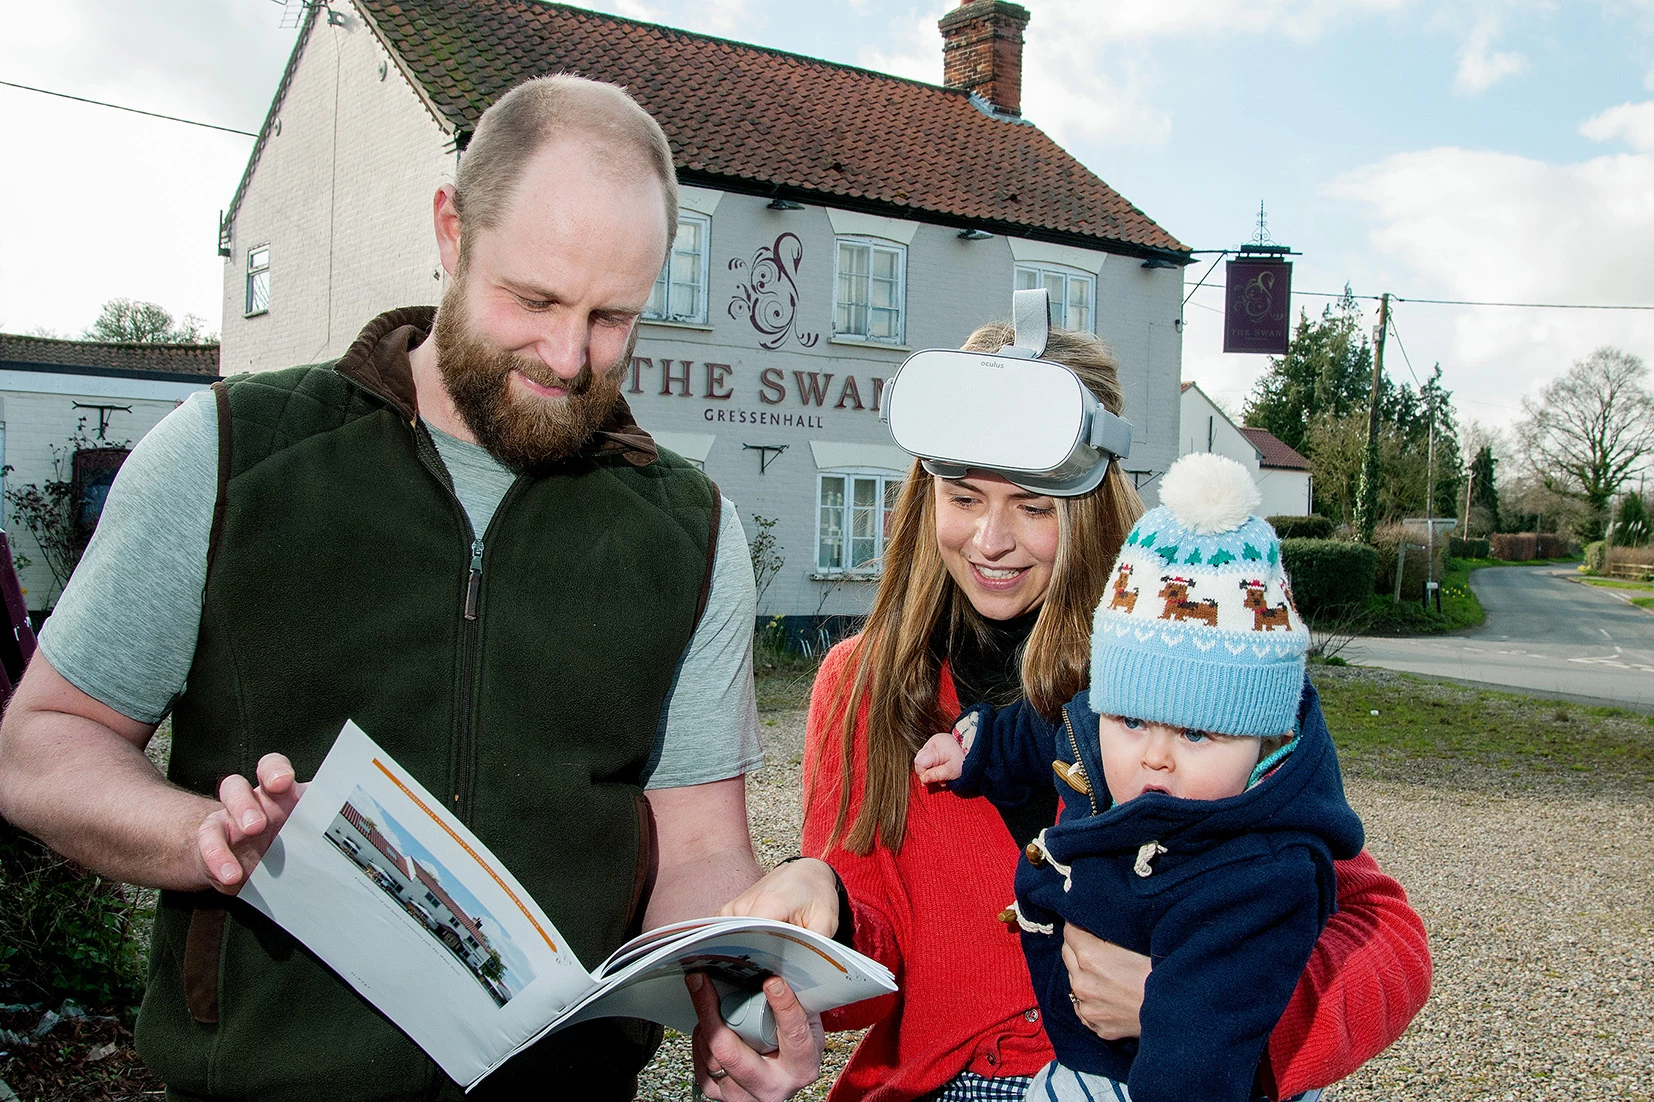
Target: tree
493,968
1484,495
128,321
1631,525
1590,431
1327,370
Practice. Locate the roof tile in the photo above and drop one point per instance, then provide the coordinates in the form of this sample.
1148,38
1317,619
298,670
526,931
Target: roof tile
740,113
177,359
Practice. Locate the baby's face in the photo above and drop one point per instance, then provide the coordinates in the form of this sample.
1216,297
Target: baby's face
1141,757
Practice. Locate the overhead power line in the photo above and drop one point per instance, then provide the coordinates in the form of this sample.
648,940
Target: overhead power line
133,110
1462,301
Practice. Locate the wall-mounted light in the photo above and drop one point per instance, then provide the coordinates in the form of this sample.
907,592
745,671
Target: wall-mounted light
974,235
779,203
1158,262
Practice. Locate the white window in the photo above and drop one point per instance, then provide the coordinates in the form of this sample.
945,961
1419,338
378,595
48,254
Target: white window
680,289
258,280
870,290
852,519
1073,293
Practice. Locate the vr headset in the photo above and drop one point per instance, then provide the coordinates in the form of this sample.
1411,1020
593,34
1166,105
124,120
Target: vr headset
1008,412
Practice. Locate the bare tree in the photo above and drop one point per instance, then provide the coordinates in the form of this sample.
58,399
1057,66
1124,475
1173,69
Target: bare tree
1590,430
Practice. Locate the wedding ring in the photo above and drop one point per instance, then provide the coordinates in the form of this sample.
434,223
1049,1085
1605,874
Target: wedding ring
719,1074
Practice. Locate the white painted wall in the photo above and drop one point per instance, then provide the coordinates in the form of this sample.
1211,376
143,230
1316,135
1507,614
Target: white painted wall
37,412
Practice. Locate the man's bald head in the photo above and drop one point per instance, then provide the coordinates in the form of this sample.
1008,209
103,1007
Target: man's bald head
622,137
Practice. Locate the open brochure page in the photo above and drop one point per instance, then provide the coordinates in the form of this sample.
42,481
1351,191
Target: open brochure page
645,977
400,899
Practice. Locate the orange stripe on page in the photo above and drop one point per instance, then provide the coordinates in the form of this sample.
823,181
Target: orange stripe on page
813,949
511,895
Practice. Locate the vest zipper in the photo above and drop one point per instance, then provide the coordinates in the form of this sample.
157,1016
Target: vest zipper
1073,740
467,677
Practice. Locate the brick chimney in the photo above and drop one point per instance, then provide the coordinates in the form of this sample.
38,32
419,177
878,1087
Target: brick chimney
982,51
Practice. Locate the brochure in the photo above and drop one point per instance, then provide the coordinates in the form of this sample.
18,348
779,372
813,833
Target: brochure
402,901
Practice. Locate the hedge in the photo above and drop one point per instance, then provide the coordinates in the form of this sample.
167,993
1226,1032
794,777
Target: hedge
1596,556
1328,576
1469,549
1527,546
1301,528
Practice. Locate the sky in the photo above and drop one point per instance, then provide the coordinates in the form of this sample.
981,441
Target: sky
1489,150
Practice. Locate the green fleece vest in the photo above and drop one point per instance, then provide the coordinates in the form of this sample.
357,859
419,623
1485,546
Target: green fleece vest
343,584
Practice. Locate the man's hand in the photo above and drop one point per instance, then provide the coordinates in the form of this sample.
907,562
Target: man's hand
802,892
1107,983
233,839
728,1070
940,760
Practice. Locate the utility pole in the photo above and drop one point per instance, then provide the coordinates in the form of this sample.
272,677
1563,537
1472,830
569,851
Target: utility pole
1366,502
1430,497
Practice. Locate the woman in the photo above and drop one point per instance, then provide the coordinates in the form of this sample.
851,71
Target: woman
987,594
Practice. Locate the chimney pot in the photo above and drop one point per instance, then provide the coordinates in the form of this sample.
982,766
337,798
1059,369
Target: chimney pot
982,51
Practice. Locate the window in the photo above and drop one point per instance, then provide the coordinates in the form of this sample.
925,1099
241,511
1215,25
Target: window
869,290
852,520
1073,293
680,289
258,280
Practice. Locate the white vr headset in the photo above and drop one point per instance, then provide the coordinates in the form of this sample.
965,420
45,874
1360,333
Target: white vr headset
1007,412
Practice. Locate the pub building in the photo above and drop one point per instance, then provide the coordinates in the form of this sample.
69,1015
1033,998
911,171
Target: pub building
833,220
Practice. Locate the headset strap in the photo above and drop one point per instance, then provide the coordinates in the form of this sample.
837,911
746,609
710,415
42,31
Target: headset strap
1031,317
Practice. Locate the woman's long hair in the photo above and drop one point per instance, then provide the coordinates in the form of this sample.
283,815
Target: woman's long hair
894,669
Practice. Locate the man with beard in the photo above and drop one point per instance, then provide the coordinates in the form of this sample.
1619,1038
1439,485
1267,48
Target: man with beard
457,536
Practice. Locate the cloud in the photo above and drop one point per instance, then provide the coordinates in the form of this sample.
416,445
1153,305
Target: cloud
1470,224
1631,123
1480,67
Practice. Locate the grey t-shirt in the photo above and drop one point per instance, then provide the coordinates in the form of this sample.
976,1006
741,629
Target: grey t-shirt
125,629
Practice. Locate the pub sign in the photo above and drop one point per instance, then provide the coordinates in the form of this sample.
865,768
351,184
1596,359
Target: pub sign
1257,315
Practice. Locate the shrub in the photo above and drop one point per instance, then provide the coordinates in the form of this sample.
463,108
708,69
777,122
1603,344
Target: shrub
1595,557
1302,528
1527,546
1469,549
65,932
1415,567
1328,576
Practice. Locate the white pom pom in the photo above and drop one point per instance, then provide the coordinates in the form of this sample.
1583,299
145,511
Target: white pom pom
1209,493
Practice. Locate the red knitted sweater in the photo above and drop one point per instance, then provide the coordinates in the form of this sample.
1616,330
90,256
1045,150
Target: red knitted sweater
929,913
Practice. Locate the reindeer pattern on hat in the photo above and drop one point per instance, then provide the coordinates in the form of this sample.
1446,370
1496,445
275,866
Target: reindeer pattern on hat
1236,596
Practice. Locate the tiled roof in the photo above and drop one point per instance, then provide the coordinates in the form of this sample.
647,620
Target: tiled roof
157,359
1275,451
746,118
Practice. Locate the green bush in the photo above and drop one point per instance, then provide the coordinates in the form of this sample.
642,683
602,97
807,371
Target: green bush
1301,528
1416,565
1596,557
1469,549
1328,576
66,933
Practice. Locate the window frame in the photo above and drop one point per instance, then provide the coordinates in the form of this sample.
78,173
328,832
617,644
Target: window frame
885,482
252,273
1067,273
874,245
703,275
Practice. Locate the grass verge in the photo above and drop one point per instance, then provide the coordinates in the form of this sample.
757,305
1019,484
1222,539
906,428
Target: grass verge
1395,726
1616,583
1460,608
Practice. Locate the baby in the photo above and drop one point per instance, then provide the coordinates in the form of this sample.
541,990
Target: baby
1201,805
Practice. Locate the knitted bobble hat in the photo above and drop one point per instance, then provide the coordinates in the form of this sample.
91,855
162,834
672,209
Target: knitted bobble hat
1197,628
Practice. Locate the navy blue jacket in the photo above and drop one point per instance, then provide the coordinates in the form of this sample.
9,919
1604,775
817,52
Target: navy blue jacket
1227,914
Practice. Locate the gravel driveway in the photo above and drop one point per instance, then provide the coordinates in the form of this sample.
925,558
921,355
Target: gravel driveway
1538,902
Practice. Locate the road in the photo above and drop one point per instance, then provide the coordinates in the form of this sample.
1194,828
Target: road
1544,634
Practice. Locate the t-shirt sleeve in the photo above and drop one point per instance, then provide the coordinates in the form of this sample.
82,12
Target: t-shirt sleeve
125,628
711,724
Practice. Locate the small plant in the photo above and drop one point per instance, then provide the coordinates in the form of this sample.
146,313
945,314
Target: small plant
48,509
767,553
66,932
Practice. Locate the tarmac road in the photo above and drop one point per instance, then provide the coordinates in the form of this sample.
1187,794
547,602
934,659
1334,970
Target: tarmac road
1543,635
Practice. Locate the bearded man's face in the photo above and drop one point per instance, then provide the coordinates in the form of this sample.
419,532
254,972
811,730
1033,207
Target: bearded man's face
522,430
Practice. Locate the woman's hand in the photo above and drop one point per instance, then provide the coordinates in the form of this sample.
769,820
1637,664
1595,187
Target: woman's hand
1107,983
803,892
727,1069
